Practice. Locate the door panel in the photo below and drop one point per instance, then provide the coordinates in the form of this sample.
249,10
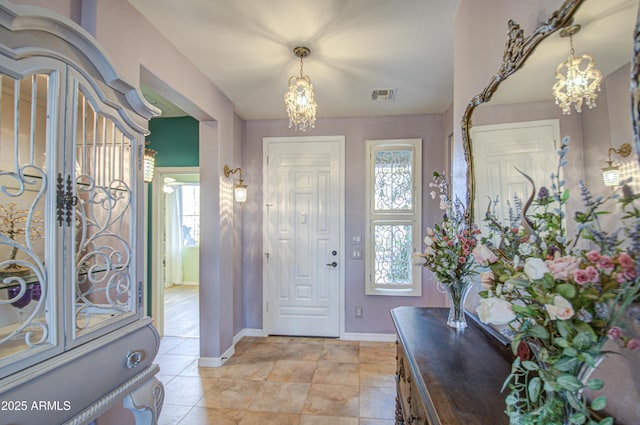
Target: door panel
500,149
303,186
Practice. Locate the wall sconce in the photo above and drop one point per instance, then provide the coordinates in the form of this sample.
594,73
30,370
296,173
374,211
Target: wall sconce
611,173
149,164
239,189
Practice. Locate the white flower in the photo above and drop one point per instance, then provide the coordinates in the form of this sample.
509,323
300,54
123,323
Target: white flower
495,311
433,194
418,259
535,268
560,309
525,249
428,240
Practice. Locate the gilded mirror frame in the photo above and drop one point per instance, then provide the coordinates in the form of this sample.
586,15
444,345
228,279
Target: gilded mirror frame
635,87
518,49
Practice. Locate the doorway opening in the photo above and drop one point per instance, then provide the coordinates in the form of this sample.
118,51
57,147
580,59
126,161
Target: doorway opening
176,247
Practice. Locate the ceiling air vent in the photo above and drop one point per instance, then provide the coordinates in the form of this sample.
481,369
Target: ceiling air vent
383,94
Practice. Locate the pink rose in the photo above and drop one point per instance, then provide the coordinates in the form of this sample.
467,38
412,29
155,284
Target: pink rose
621,278
484,255
593,274
562,268
581,277
633,344
605,263
625,261
462,260
593,256
614,333
626,275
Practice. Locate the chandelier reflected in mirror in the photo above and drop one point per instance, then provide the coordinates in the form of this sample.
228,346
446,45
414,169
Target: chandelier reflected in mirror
299,98
577,79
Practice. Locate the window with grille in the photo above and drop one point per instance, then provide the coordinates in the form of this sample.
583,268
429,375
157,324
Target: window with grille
191,214
393,200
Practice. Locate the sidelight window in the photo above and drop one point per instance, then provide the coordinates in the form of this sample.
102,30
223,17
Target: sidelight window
393,216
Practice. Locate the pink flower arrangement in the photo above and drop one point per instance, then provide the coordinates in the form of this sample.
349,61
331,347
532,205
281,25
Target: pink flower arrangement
449,243
559,299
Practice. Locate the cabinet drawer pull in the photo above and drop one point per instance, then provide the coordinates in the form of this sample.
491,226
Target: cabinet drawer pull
133,359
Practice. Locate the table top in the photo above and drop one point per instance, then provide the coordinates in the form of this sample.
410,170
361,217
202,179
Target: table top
458,372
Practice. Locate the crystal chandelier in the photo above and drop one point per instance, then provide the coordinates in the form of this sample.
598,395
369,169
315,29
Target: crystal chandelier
299,98
577,79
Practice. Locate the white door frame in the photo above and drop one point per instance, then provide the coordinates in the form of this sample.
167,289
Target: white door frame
157,224
341,244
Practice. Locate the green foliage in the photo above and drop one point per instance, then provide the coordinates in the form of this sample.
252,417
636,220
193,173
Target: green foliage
561,300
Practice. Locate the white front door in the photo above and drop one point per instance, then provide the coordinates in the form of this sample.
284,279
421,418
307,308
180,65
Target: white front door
303,219
497,151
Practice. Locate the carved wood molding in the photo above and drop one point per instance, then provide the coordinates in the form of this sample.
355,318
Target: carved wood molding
518,49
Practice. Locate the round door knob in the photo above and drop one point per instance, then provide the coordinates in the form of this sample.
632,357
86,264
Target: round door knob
334,264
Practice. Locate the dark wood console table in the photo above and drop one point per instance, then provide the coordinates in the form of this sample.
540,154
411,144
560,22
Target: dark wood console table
446,376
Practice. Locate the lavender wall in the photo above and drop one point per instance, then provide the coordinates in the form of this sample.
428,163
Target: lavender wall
479,40
376,319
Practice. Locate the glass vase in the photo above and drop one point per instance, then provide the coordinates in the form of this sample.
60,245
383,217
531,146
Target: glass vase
457,294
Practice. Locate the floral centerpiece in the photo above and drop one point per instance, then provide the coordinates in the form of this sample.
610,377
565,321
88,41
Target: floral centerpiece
448,248
561,297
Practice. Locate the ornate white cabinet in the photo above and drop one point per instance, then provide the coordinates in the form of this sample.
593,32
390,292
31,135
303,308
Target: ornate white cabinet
73,337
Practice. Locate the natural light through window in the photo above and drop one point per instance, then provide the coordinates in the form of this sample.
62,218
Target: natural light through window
393,216
191,214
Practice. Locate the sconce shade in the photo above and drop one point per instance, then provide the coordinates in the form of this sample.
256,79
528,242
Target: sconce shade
577,79
611,175
149,164
299,98
239,189
240,192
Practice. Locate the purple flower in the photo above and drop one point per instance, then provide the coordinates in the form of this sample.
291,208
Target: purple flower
627,192
543,193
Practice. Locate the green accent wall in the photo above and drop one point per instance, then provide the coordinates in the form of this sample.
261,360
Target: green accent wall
177,142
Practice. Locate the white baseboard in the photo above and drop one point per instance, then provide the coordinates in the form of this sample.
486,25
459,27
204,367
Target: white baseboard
248,332
216,361
360,336
347,336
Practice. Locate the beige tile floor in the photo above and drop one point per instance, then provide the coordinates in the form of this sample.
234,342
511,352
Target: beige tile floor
280,381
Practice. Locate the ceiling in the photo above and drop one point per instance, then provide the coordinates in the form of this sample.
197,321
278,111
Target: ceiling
606,34
245,48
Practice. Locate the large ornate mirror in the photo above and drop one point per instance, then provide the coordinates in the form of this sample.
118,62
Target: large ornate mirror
519,101
521,90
